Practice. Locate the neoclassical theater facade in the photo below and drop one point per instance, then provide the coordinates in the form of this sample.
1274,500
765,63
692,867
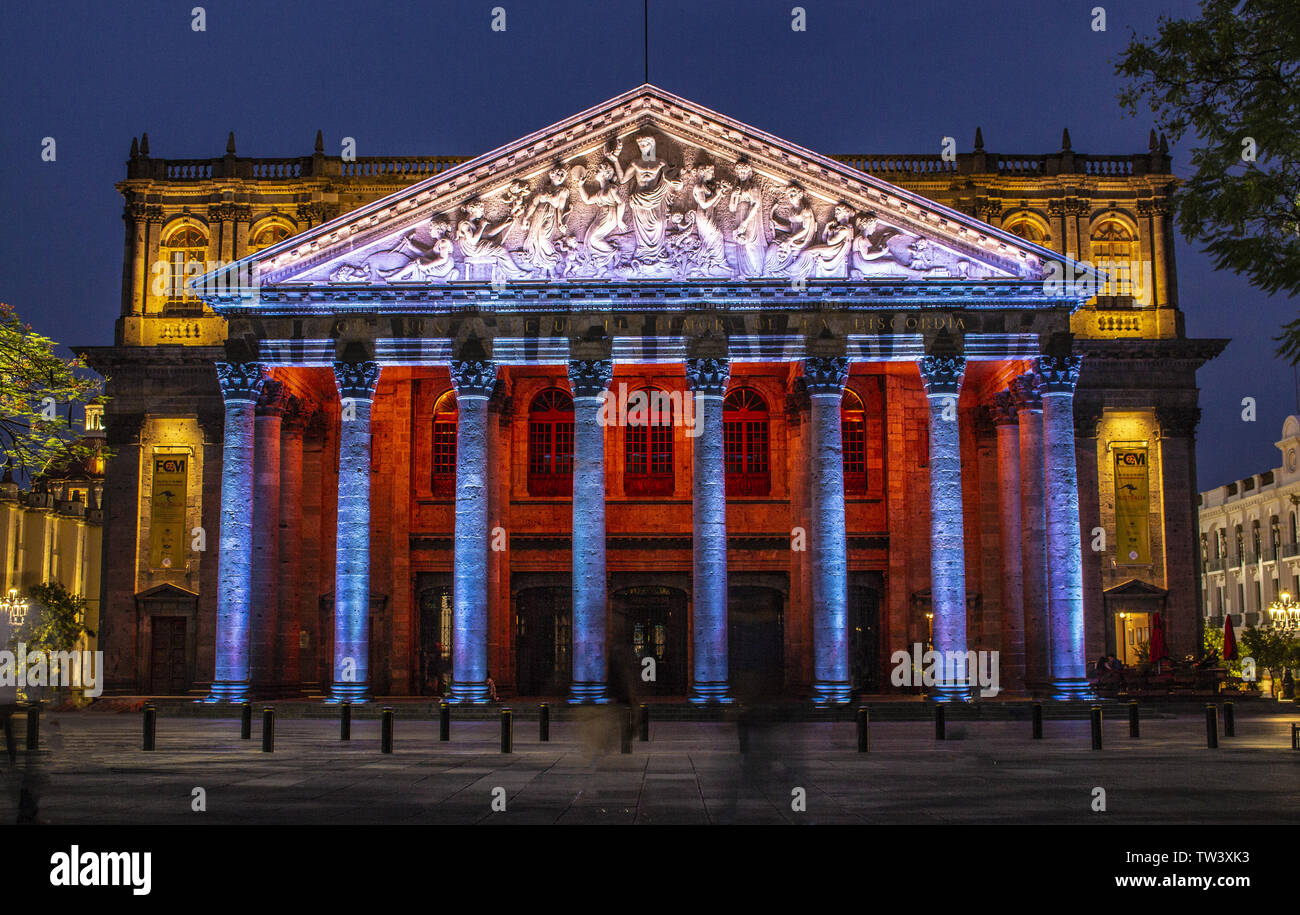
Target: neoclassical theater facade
646,403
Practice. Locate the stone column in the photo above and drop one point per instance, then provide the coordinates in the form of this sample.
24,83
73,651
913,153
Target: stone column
356,383
264,594
474,381
707,377
289,589
942,376
589,378
1033,530
241,384
1013,599
825,377
1184,623
1057,377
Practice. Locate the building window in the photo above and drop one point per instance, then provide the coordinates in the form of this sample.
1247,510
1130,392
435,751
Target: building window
853,425
745,438
648,445
1275,533
1115,250
1241,545
1295,534
1220,544
185,251
1028,230
268,235
1255,544
550,444
1205,550
444,445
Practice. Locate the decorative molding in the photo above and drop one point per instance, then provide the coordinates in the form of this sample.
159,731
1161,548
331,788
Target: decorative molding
474,377
1178,421
708,375
241,380
590,377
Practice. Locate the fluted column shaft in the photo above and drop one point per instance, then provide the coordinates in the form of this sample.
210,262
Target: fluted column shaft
942,376
1012,655
266,547
1033,531
356,383
241,384
1057,377
474,381
589,378
707,378
825,378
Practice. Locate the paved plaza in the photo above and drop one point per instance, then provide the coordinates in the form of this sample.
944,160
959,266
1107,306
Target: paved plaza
91,770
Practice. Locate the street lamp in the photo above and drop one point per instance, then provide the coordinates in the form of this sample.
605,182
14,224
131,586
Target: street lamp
14,607
1284,612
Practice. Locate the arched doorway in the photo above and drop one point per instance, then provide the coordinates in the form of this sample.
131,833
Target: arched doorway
544,640
649,622
756,640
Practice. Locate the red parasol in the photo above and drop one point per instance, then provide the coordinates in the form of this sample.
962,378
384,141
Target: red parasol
1229,639
1159,647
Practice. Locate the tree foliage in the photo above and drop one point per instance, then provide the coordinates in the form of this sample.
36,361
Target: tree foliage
56,619
1231,80
37,390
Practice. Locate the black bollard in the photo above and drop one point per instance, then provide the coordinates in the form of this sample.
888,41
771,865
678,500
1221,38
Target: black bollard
939,720
33,727
1134,728
864,730
1229,719
1036,717
543,722
645,723
1211,727
268,730
386,730
444,722
1096,727
150,724
1295,736
345,720
625,735
507,730
246,721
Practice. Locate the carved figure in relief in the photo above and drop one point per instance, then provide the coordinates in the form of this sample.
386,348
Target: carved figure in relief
438,262
830,259
599,252
746,206
710,257
546,234
480,245
382,266
793,232
870,245
653,180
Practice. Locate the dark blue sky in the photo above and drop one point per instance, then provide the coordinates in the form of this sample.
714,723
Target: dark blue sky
431,77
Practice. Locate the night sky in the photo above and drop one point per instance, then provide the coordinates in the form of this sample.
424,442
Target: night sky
431,77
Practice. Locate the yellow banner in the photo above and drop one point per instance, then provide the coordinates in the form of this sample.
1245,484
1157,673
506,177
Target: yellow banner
167,520
1132,507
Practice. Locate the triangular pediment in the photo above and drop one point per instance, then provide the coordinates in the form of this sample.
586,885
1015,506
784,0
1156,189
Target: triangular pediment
647,186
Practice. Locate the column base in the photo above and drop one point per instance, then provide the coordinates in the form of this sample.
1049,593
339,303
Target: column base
713,692
468,693
1065,689
356,693
228,691
588,692
951,692
831,692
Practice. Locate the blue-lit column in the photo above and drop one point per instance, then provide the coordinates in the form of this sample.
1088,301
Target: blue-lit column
825,377
589,378
241,385
1057,377
942,376
356,383
707,378
474,381
1033,530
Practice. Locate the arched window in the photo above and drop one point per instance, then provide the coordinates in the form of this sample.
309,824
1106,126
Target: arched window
268,235
1115,252
444,445
550,444
854,432
1028,230
745,438
185,250
648,450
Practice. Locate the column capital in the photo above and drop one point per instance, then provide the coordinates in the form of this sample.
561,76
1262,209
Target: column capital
825,374
708,375
356,380
473,377
271,401
1025,393
1057,374
590,377
1002,411
295,413
1177,421
942,375
241,381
